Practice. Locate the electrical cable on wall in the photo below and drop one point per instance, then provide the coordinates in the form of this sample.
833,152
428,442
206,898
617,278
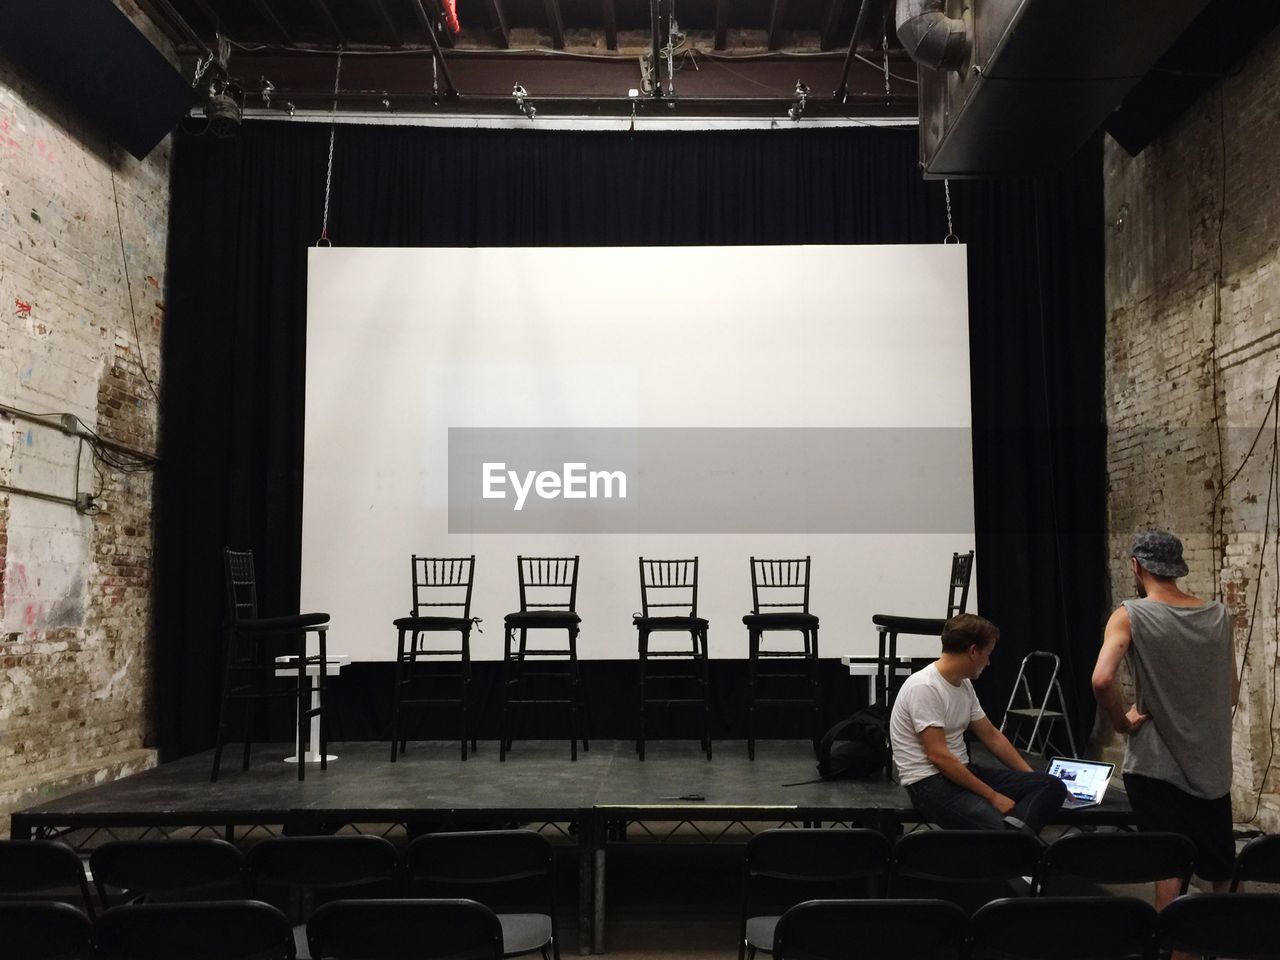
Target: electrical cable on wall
124,260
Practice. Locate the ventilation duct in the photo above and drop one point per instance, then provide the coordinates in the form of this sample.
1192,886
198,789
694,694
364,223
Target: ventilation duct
1027,82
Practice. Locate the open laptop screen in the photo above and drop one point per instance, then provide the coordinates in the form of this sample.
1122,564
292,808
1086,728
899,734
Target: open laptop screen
1086,780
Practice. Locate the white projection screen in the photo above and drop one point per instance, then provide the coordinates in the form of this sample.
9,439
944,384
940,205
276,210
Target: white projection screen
777,402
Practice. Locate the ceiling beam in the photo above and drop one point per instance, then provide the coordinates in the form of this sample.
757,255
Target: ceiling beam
384,20
555,23
610,15
445,35
722,24
831,18
276,24
325,14
859,28
450,89
777,15
500,19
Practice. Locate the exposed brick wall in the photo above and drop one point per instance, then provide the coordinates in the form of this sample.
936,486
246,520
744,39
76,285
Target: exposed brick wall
75,592
1170,349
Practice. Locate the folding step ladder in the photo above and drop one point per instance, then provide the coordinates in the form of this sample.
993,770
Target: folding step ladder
1040,713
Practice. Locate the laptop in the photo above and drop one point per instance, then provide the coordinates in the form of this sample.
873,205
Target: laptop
1086,780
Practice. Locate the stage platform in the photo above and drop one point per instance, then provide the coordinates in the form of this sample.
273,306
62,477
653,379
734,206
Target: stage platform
430,787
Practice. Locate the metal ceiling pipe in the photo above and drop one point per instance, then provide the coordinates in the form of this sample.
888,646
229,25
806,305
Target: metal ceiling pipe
932,39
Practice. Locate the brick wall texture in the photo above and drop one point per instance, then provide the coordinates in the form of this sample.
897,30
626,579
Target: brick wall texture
1193,326
75,592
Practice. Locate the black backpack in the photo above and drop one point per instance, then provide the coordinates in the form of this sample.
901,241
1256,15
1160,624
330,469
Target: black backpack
857,748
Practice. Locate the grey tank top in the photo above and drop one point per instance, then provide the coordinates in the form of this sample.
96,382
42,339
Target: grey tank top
1181,659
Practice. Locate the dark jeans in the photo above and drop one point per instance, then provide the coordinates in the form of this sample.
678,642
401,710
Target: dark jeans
1036,796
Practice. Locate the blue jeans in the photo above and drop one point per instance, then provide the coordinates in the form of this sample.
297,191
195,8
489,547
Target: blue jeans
1036,796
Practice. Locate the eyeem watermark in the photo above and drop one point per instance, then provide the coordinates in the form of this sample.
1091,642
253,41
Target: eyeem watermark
573,482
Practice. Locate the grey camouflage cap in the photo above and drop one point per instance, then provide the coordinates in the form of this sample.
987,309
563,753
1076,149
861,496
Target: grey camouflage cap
1159,552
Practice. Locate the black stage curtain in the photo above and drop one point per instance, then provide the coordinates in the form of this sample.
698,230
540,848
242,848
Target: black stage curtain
244,213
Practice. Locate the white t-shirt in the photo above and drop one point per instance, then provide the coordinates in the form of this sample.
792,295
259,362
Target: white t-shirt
927,699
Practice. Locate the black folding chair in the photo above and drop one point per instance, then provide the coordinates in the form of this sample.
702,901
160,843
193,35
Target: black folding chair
250,669
968,867
791,865
548,601
30,867
511,863
198,868
223,930
44,930
405,930
1117,858
1258,861
669,604
364,865
1064,928
780,604
1237,925
871,930
441,605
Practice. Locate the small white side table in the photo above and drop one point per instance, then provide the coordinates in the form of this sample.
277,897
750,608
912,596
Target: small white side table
867,667
332,667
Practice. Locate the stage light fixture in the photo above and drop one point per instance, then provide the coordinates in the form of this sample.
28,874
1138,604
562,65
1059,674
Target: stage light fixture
224,108
520,93
802,97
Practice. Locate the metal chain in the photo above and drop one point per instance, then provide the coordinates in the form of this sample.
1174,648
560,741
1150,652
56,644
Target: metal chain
951,230
884,50
328,177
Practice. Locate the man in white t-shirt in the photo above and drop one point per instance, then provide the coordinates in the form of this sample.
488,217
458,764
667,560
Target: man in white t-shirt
933,709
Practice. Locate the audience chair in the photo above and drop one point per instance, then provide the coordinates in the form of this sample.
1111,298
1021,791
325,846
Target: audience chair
1258,861
548,601
782,861
447,581
200,868
256,648
676,583
968,867
510,863
44,930
31,867
308,865
780,603
1064,928
889,627
871,930
405,930
1117,858
1237,925
223,930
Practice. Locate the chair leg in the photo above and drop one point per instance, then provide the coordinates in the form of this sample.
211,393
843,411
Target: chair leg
815,674
396,696
222,709
753,655
575,693
322,700
304,697
464,668
644,654
706,695
506,677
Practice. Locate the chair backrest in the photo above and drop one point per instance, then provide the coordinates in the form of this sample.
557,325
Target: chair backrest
404,930
443,585
1238,925
221,930
785,584
1064,928
34,866
242,585
948,860
1259,860
44,930
552,581
675,583
322,862
481,857
150,867
881,930
1118,858
961,575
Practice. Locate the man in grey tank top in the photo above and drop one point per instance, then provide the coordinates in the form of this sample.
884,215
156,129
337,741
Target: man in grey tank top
1177,771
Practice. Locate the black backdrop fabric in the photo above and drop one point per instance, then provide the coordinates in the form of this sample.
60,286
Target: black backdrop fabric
244,213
